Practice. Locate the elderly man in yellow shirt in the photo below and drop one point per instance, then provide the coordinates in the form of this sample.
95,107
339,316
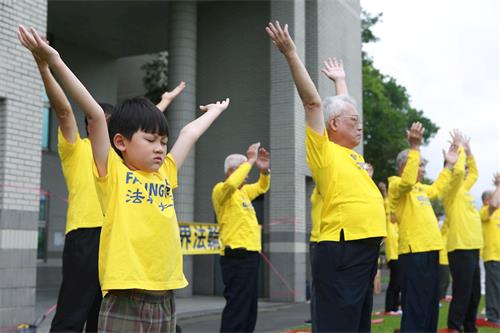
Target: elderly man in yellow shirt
240,235
491,255
464,240
419,235
353,217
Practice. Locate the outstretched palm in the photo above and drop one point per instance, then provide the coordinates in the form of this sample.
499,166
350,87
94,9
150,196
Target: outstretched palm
213,106
281,38
451,156
171,95
334,69
36,44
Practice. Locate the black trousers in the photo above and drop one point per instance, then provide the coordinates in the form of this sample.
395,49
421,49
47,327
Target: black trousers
392,294
343,274
466,290
240,274
314,329
419,291
80,294
444,280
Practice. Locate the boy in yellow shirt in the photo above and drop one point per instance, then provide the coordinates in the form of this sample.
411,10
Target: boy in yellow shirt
464,240
419,236
240,235
80,294
140,260
353,217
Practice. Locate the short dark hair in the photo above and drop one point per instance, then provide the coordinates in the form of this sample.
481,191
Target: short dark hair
108,110
136,114
106,107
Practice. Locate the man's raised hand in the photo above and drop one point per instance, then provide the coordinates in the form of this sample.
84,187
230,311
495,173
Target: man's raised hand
252,152
281,38
334,69
262,162
451,156
466,145
415,135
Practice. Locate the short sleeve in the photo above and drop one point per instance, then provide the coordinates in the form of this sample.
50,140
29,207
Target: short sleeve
316,152
105,184
65,148
170,169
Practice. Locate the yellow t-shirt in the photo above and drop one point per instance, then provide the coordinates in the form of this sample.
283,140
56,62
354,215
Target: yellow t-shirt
491,231
316,208
464,222
443,254
409,200
140,243
391,241
84,210
233,207
351,200
484,213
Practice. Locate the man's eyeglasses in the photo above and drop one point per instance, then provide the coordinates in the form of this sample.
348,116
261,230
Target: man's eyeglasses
354,119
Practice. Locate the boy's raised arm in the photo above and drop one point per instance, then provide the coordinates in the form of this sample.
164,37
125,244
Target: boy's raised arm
192,131
58,101
98,131
168,96
305,86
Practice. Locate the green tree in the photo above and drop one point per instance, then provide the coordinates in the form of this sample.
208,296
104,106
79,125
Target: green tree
155,78
387,112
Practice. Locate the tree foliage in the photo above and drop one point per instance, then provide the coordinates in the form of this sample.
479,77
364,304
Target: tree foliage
387,112
155,78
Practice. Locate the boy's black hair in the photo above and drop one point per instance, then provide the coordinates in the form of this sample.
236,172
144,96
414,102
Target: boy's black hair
136,114
108,110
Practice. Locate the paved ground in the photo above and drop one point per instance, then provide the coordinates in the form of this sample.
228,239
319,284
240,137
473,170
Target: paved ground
202,313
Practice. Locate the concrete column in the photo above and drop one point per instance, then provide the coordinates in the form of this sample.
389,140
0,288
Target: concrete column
20,159
333,29
182,32
287,234
320,29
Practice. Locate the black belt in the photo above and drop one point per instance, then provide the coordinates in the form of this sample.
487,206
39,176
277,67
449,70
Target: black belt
237,252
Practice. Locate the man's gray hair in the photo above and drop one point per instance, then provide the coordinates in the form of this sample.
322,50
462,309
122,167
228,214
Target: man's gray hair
486,195
234,161
334,106
402,158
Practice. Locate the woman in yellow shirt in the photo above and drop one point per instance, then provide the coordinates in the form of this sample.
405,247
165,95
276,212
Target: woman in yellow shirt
464,240
491,256
392,294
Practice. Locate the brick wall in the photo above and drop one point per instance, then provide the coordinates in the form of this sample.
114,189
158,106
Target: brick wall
20,157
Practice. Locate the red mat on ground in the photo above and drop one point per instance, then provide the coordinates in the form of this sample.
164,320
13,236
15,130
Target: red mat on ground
482,322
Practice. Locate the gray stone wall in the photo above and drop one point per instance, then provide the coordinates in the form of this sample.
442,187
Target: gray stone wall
20,159
233,61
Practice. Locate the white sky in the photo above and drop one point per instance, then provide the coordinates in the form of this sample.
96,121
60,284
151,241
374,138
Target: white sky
447,55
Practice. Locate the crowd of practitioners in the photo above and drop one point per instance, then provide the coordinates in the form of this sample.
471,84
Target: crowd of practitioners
122,258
